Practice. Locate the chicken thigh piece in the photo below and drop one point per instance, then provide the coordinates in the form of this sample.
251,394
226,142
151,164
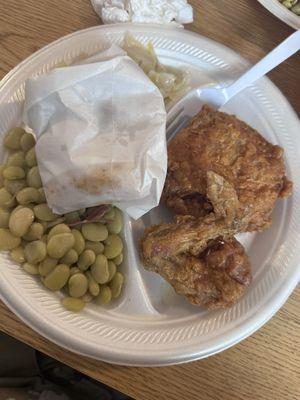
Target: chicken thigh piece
221,143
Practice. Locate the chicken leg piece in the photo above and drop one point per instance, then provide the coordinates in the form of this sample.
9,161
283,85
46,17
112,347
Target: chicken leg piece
199,257
216,278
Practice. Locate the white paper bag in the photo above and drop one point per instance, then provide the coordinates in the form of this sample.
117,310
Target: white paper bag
100,128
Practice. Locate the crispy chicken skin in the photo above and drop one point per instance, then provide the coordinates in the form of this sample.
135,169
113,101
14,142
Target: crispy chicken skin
221,143
216,278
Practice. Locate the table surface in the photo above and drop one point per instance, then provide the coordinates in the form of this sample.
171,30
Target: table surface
264,366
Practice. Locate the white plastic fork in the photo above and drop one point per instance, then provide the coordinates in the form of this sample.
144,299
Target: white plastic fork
188,106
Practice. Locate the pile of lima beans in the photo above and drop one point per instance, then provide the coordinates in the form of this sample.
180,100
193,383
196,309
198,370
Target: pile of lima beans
78,253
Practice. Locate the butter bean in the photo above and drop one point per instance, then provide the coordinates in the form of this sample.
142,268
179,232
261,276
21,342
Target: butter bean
6,199
27,141
35,251
17,159
72,304
7,240
113,246
112,270
28,195
78,285
18,255
47,265
4,218
43,212
117,224
118,260
33,178
94,231
59,244
20,221
13,138
13,173
116,285
104,296
30,158
79,244
86,259
35,232
57,278
71,257
31,268
99,269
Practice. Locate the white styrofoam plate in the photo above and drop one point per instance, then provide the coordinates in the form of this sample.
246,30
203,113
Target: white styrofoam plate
281,12
150,324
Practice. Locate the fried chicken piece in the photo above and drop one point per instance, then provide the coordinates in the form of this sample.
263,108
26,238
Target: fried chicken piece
199,256
216,278
221,143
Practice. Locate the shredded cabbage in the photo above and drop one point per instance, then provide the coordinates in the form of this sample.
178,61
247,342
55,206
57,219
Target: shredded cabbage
172,82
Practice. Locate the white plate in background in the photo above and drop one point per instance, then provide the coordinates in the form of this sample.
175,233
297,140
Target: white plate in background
150,324
281,12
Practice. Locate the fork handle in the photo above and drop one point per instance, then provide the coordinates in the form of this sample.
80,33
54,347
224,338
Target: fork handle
286,49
